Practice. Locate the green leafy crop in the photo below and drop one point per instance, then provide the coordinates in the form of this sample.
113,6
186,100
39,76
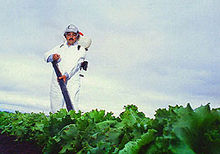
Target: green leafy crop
177,129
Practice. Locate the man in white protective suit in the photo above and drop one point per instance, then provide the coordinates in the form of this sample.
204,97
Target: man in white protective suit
71,60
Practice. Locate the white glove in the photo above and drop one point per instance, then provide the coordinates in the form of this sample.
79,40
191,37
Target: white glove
85,42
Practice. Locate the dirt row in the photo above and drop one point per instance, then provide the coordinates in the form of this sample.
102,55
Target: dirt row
8,145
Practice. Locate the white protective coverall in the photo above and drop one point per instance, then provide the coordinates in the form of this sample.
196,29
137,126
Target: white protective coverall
71,59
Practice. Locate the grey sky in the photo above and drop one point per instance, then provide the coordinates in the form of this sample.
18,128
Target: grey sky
150,53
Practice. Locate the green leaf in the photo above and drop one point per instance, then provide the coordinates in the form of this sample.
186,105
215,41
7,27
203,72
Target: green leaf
139,145
194,130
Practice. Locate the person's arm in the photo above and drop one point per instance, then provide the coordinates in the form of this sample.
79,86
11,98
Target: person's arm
76,68
66,76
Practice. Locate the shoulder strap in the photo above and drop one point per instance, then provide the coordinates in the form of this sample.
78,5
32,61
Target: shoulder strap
61,45
78,47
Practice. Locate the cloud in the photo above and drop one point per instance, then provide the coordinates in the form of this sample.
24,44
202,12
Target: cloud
24,85
24,73
25,103
150,53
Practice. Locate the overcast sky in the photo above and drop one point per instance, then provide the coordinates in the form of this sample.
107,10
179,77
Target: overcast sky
151,53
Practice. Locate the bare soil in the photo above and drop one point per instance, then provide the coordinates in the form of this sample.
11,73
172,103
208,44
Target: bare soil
8,145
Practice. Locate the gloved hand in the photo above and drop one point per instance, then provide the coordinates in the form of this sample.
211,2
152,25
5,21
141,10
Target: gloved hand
56,57
63,77
84,65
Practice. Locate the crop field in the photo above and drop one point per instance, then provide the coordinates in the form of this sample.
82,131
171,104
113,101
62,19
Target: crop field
175,130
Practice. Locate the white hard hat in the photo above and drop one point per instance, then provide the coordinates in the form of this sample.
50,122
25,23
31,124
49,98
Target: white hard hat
71,28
